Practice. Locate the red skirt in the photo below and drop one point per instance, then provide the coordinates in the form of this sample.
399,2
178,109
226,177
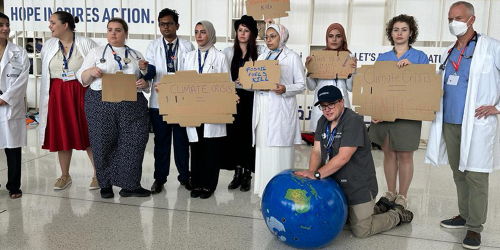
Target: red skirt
67,127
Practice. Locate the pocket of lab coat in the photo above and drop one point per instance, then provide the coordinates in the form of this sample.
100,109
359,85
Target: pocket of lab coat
5,112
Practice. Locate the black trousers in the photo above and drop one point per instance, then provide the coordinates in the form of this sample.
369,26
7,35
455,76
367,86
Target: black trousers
238,149
206,155
163,141
13,168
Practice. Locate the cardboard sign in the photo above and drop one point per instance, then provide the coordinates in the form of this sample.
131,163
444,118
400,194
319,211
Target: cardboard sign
326,64
190,99
260,74
267,8
387,93
119,87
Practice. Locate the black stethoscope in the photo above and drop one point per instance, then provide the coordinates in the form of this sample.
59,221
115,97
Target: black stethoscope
442,67
117,58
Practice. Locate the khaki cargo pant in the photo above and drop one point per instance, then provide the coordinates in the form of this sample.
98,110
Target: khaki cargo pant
366,220
472,187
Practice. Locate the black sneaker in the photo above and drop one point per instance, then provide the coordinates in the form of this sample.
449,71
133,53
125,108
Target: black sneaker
405,216
107,193
384,204
140,192
472,240
454,223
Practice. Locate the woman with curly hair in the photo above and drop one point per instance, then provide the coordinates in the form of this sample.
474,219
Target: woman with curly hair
399,139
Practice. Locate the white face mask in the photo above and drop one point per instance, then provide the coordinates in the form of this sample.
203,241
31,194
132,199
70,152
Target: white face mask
458,28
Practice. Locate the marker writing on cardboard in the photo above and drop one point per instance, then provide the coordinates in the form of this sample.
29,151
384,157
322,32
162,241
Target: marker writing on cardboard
258,74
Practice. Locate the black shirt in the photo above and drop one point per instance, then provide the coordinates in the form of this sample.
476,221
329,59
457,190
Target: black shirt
357,177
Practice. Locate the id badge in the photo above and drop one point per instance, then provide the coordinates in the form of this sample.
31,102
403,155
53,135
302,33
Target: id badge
327,158
68,76
453,79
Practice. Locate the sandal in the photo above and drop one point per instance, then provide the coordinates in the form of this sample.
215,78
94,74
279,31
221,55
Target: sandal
16,194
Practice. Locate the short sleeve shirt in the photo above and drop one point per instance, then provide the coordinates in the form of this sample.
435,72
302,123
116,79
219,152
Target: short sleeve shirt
357,177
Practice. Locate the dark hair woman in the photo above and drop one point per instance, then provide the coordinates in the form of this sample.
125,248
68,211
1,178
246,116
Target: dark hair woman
240,152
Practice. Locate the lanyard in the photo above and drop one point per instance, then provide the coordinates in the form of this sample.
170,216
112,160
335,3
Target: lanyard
65,60
269,55
201,66
170,57
331,136
457,64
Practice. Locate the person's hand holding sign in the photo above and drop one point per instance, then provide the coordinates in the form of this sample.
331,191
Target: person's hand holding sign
280,89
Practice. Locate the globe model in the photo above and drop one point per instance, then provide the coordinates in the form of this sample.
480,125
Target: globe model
304,213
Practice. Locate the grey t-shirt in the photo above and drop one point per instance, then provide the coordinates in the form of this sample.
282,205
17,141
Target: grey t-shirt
357,177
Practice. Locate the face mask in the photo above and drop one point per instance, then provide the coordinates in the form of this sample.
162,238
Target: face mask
458,28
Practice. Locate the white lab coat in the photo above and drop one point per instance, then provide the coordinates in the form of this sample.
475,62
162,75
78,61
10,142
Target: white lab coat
13,82
314,84
49,50
155,55
215,63
479,146
284,128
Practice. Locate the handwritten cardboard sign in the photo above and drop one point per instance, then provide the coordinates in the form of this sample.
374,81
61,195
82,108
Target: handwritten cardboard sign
267,8
119,87
260,74
387,93
326,64
190,99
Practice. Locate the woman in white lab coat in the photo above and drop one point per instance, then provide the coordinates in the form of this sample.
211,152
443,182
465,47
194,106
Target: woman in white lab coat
206,140
275,113
14,71
336,41
119,131
63,125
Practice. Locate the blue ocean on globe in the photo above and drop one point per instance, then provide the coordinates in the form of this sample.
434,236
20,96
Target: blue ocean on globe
304,213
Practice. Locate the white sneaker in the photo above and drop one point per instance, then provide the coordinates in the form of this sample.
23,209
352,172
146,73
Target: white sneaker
391,196
401,200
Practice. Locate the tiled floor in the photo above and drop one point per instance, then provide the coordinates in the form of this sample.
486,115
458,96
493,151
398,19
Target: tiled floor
76,218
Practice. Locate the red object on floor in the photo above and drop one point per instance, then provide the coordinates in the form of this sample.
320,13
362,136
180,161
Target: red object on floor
308,138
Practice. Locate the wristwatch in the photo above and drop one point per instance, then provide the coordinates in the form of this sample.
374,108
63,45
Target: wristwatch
317,175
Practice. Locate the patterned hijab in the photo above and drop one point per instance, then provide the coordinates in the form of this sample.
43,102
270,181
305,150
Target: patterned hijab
283,32
209,27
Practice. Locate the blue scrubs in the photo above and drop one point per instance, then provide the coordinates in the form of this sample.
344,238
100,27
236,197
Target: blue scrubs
455,95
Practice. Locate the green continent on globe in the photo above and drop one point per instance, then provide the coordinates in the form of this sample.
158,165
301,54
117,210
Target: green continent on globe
300,198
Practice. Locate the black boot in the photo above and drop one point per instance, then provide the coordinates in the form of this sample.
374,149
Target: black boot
237,179
247,181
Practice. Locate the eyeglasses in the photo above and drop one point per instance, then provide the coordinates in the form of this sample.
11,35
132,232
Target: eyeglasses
270,37
329,106
163,25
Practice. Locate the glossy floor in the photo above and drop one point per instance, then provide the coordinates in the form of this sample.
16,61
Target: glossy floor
76,218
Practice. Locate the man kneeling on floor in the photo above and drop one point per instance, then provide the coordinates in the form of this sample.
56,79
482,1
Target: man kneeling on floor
342,151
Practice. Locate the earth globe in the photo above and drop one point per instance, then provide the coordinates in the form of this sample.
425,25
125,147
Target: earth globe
304,213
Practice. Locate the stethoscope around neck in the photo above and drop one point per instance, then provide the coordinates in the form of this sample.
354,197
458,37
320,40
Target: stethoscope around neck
442,67
117,58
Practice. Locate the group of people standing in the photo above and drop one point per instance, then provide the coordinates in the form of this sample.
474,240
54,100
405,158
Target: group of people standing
266,127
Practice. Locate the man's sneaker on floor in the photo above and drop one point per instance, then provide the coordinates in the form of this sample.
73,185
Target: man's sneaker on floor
401,200
390,196
405,216
62,182
94,184
472,240
455,222
384,204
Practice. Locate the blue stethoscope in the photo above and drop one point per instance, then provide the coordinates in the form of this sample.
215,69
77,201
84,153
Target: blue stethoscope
117,58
